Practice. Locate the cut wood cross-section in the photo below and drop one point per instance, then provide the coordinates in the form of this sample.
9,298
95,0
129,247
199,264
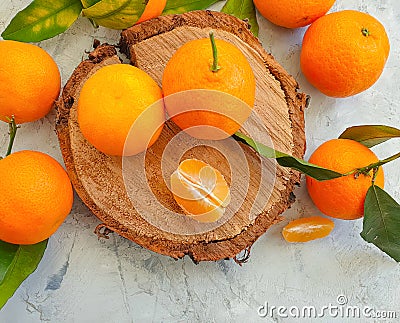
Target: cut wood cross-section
99,179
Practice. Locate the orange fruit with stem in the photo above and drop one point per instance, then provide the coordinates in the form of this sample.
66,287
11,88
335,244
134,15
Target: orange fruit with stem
307,229
200,190
344,53
30,82
343,197
36,197
293,13
209,85
115,101
154,8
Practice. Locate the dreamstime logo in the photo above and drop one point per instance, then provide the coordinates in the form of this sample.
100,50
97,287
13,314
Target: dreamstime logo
148,175
339,310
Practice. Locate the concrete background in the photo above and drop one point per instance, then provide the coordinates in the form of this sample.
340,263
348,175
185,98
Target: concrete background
81,279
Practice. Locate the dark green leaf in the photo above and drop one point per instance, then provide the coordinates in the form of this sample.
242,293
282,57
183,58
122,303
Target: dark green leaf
243,9
370,135
181,6
115,14
42,20
25,260
285,160
382,222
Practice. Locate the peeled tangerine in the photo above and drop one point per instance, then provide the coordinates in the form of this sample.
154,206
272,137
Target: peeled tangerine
200,190
307,229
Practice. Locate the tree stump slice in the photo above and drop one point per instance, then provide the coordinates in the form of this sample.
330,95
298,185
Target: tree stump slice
99,180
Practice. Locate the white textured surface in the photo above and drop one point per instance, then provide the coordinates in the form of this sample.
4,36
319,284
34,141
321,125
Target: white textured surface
83,280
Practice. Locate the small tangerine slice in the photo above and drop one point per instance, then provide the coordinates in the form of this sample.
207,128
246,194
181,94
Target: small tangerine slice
307,229
200,190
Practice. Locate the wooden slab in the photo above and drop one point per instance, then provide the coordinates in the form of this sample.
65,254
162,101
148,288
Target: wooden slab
131,195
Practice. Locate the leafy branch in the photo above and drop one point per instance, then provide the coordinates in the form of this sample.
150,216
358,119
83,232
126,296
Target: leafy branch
43,19
374,166
285,160
381,225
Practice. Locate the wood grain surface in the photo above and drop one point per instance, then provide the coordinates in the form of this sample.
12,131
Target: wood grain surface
131,196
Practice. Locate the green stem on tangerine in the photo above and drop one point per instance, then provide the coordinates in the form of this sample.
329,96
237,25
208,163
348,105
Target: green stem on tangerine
214,68
374,166
12,132
365,32
374,175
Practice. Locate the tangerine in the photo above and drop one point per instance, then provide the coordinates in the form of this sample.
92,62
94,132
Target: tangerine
110,103
343,197
36,197
344,53
30,82
200,190
307,229
154,8
293,13
200,70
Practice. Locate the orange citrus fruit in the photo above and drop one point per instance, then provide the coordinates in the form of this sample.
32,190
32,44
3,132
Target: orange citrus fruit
110,103
30,82
208,82
293,13
154,8
344,53
200,190
36,196
343,197
307,229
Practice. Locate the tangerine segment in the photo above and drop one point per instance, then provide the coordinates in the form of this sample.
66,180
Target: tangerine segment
200,190
154,8
343,197
307,229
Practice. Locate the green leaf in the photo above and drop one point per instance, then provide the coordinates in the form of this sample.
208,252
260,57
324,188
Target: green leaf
182,6
116,14
243,9
370,135
25,260
382,222
7,255
42,20
285,160
89,3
